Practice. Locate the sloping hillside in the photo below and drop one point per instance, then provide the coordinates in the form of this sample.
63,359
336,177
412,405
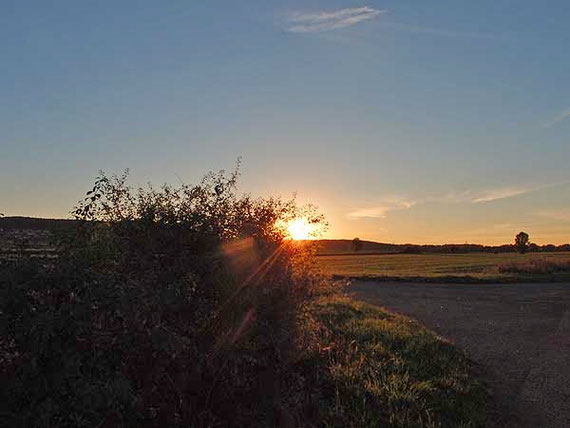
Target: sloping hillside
343,246
33,223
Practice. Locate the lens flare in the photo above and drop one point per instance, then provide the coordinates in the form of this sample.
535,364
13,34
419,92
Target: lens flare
300,229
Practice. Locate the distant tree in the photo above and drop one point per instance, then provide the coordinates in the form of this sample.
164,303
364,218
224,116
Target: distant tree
356,245
522,242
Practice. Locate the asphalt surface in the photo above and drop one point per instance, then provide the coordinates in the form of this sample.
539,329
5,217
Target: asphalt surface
517,334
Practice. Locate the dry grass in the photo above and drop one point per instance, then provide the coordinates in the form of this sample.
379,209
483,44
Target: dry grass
539,266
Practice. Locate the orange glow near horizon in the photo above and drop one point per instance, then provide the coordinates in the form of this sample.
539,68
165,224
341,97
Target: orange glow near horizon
300,229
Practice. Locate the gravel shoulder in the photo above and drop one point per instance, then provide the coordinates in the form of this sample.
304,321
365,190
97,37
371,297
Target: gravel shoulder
517,334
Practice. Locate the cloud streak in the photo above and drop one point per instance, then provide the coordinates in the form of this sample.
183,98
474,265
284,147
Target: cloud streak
500,193
509,192
330,20
557,119
488,195
380,210
384,206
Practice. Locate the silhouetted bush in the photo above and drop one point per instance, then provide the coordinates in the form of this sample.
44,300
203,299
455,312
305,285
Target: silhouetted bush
165,307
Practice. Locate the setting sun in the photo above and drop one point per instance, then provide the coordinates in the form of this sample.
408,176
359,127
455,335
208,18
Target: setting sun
299,229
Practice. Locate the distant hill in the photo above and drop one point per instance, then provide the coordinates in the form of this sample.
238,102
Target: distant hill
33,223
344,246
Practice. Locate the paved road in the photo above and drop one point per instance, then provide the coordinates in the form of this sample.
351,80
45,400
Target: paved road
518,334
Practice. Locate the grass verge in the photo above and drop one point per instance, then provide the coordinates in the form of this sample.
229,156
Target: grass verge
378,369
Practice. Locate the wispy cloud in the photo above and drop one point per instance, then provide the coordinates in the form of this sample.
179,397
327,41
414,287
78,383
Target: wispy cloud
487,195
475,197
557,119
330,20
512,191
500,193
381,209
385,205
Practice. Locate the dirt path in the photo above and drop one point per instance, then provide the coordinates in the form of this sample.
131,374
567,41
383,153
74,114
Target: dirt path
519,334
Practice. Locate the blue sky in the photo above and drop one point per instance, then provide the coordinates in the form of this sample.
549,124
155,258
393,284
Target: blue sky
405,121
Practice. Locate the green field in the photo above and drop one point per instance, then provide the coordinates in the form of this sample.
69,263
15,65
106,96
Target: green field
472,266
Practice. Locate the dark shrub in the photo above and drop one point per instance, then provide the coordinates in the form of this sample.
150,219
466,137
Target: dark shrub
166,307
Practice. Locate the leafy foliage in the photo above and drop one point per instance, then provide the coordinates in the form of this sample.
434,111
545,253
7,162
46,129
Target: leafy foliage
165,307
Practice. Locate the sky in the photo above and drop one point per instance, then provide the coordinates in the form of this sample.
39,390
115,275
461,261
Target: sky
404,121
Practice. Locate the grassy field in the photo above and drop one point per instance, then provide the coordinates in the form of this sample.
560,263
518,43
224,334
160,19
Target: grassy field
385,370
472,266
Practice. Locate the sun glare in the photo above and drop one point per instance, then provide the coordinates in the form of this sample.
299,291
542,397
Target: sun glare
299,229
